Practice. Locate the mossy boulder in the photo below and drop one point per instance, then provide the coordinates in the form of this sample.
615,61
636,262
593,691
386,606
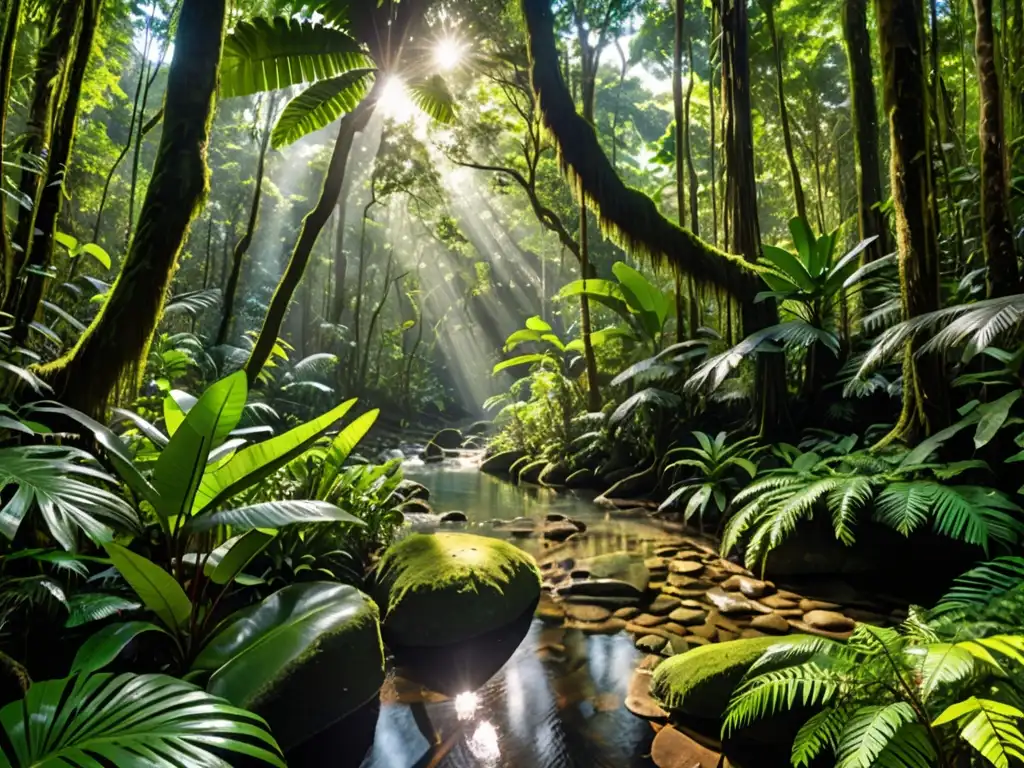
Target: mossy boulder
479,428
432,452
633,484
701,681
448,438
553,475
445,588
410,489
581,478
530,471
501,462
317,642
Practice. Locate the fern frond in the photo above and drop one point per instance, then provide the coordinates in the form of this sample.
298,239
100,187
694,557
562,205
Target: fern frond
869,731
845,502
819,733
808,684
990,727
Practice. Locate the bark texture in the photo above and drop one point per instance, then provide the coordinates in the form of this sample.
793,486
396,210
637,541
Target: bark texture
110,356
900,34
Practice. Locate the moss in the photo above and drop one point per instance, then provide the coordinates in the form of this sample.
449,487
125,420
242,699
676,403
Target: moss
530,471
700,682
444,588
501,463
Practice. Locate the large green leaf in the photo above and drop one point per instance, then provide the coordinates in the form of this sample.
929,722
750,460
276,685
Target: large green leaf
252,464
343,445
228,560
52,480
106,644
131,721
320,105
518,360
643,297
179,470
803,239
789,265
267,54
155,587
274,514
317,641
117,452
993,416
432,96
991,727
607,292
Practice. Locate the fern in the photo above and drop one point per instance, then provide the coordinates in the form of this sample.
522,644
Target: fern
818,734
990,727
868,732
806,684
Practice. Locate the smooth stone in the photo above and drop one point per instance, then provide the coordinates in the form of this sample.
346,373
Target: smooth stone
724,635
663,604
707,630
830,621
455,516
666,551
674,749
682,580
655,586
639,700
689,554
787,595
622,567
775,602
729,603
601,588
749,633
691,603
732,567
683,593
559,531
649,663
648,620
770,622
722,622
555,517
746,586
685,566
651,643
584,612
688,616
549,611
807,629
626,613
697,640
817,605
656,564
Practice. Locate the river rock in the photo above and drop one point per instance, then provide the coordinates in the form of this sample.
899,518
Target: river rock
410,489
627,613
674,749
583,612
609,626
770,623
553,475
605,591
448,438
656,564
618,566
549,611
432,452
559,531
651,643
416,507
639,700
520,527
830,621
500,463
663,604
775,601
747,586
807,605
686,567
648,620
729,603
455,516
688,616
446,588
479,428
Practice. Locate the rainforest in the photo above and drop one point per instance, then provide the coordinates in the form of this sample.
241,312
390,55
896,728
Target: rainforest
511,383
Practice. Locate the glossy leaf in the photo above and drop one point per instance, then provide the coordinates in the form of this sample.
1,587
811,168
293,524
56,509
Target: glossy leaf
106,645
274,514
155,587
320,105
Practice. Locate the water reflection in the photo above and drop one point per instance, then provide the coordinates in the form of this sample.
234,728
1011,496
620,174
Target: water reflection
558,700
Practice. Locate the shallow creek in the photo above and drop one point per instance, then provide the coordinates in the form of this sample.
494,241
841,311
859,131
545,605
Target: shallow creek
558,701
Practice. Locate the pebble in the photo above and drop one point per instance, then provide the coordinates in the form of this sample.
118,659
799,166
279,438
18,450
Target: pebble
685,566
663,604
830,621
688,616
674,749
771,623
817,605
626,613
584,612
639,700
648,620
651,643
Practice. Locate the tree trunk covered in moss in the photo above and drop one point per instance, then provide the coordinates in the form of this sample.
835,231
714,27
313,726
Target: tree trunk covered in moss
865,129
629,217
110,357
242,246
52,195
50,75
691,170
787,135
769,393
12,19
312,225
901,39
997,232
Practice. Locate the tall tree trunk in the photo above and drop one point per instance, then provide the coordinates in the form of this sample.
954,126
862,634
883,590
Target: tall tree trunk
997,234
312,224
110,356
769,392
340,298
900,32
242,246
630,217
50,76
12,20
713,148
52,195
787,136
679,23
688,147
865,130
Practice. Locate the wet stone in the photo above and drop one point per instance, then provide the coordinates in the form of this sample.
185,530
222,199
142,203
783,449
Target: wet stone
674,749
609,626
770,623
829,621
663,604
584,612
649,620
817,605
639,700
746,586
626,613
686,566
775,601
688,616
651,643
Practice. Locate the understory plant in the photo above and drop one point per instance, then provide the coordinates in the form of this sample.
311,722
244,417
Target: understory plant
889,698
898,489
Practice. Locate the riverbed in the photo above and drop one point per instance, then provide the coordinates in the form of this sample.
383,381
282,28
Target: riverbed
559,700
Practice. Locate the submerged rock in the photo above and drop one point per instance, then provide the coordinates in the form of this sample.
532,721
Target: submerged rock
449,587
410,489
639,700
479,428
553,475
455,516
581,478
432,453
674,749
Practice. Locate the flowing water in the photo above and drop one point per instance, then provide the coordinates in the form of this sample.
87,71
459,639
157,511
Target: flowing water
558,701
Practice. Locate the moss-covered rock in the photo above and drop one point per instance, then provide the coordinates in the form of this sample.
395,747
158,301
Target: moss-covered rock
500,463
530,471
446,588
432,452
479,428
553,475
448,438
633,484
410,489
581,478
701,681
